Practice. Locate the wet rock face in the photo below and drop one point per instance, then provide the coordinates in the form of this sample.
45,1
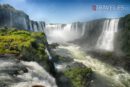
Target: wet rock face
37,26
90,32
123,35
10,17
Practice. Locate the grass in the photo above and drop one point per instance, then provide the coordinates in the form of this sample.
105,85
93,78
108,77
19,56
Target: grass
79,77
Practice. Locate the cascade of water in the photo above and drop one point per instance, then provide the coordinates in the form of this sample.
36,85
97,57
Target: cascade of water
48,53
61,32
76,27
25,23
83,29
67,27
36,75
30,24
35,27
39,26
43,26
106,38
23,74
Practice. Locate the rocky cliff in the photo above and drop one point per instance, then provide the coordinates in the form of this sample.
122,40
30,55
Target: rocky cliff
10,17
90,32
123,40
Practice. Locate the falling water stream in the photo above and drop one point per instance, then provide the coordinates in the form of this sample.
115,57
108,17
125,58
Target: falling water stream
106,38
61,33
24,74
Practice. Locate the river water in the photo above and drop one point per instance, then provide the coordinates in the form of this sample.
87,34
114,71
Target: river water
14,73
104,75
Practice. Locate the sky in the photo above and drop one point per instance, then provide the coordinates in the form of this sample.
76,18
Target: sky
67,11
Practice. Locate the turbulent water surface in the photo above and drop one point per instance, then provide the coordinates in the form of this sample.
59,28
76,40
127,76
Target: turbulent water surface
105,75
23,74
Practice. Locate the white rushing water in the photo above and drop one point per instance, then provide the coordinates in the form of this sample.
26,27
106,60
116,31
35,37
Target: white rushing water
106,38
36,75
105,74
83,29
62,32
35,27
48,53
12,74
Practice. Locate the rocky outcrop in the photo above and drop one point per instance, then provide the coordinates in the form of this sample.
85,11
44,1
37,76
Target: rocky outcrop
10,17
122,41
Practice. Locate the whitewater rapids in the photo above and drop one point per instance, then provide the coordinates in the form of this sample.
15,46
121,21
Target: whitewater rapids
105,75
23,74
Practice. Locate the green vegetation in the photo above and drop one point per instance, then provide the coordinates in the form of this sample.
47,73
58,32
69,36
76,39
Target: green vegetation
80,77
27,45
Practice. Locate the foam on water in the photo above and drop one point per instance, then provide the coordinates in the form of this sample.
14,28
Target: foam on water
105,74
36,75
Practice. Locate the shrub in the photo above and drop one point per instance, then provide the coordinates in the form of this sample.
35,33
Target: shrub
78,76
31,45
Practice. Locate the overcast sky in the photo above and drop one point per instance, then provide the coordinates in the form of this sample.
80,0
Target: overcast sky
66,11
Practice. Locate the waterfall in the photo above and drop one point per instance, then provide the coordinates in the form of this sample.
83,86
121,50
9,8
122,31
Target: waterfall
39,27
36,76
83,29
23,74
25,23
48,53
30,24
67,27
106,39
62,32
35,27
